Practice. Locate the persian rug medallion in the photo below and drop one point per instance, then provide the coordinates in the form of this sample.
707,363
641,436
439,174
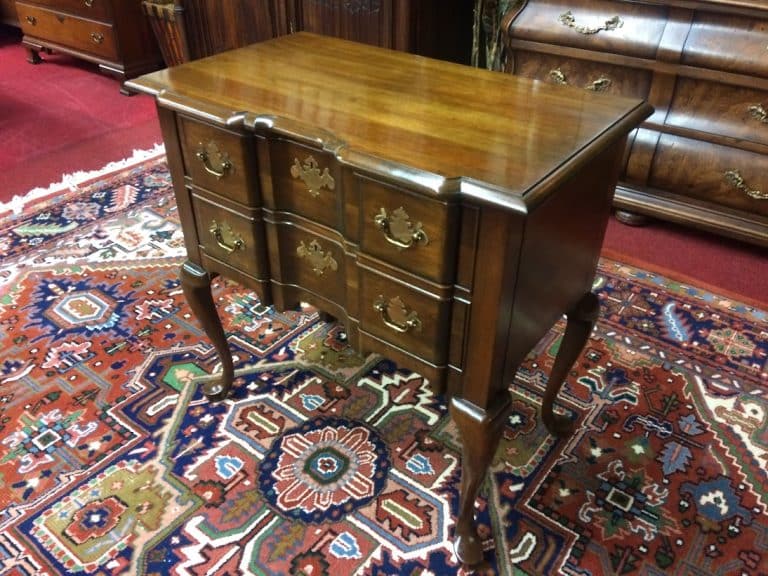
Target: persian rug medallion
325,462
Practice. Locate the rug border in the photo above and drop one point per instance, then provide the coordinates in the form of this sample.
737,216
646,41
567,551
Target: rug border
71,182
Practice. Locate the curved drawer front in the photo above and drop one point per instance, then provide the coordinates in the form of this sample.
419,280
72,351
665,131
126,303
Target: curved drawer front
411,320
720,109
602,25
728,43
233,238
409,231
305,181
94,9
725,176
309,260
220,161
89,36
594,76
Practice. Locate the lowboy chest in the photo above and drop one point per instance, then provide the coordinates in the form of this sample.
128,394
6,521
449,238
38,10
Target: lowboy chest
446,215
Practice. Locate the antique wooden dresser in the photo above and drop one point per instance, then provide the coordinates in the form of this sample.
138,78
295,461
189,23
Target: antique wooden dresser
113,33
702,158
191,29
446,215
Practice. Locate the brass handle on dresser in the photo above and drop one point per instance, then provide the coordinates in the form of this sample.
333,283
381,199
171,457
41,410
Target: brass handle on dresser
32,20
309,173
758,112
396,315
398,229
568,19
735,179
88,3
224,163
97,37
558,77
218,231
317,258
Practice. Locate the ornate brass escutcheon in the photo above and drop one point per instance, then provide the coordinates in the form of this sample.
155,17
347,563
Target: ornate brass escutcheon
226,238
735,179
558,77
309,173
758,112
215,161
568,19
399,230
319,260
396,315
97,37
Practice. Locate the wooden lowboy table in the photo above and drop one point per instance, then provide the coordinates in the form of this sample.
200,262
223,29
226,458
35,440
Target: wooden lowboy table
447,215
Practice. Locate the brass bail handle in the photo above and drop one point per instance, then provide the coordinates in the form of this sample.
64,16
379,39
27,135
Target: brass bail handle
735,179
398,229
569,20
217,231
407,319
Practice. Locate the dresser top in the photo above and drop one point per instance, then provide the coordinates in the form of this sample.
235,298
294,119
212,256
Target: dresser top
438,125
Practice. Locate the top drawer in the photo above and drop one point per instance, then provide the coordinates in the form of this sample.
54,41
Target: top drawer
601,25
220,161
728,43
93,9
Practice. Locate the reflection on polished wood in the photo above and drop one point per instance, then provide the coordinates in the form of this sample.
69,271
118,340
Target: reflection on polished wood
466,214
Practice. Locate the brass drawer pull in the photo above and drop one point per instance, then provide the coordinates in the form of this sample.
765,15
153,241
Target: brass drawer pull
734,178
399,230
317,258
309,173
568,19
235,242
758,112
88,3
32,20
599,85
396,315
222,163
97,37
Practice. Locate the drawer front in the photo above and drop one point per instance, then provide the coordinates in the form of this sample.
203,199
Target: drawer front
594,76
89,36
220,161
728,43
308,260
601,25
724,176
407,230
235,239
404,317
93,9
720,109
305,181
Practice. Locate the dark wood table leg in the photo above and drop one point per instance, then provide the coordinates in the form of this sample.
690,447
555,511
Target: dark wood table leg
33,55
581,321
196,283
480,434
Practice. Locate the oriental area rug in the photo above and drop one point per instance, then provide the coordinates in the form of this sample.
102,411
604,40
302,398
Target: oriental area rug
325,462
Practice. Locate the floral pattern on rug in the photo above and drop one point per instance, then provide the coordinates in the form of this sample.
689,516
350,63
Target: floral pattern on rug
326,462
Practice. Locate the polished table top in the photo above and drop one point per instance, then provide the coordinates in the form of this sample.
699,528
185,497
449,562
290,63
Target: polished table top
507,138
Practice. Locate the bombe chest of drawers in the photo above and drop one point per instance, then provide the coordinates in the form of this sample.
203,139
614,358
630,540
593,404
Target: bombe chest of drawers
446,215
702,158
114,34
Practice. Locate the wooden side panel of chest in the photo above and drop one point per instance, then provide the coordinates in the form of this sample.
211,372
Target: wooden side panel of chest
114,34
699,160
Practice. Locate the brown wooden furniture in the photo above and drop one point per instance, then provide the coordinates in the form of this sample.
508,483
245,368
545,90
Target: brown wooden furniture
8,12
192,29
702,158
112,33
448,216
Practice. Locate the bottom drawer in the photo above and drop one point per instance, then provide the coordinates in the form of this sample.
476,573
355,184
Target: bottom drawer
411,320
233,238
721,175
96,38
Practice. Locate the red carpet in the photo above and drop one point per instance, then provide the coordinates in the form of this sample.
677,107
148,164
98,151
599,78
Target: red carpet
63,116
